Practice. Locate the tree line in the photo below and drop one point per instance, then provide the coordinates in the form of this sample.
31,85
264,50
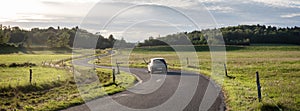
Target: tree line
232,35
53,38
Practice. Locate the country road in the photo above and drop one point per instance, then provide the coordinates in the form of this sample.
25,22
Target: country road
174,91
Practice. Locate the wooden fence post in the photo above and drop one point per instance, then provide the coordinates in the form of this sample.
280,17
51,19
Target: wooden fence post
94,66
114,77
30,74
258,87
187,61
118,68
225,70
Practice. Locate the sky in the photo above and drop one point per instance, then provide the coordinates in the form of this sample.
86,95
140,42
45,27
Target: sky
135,20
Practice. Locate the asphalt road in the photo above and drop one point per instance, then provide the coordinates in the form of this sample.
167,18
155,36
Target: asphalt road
174,91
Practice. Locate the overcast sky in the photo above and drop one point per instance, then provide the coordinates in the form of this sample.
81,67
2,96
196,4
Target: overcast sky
136,20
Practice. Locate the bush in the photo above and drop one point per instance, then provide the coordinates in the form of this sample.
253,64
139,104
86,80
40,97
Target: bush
3,65
21,65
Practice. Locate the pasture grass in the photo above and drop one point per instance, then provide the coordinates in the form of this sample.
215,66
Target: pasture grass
279,75
51,88
34,50
32,58
18,77
61,94
278,67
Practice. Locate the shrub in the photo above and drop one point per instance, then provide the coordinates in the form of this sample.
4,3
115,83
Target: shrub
21,65
3,65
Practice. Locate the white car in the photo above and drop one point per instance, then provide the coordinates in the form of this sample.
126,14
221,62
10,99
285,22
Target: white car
157,65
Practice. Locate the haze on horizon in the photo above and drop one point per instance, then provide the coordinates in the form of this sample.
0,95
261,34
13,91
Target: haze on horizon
92,15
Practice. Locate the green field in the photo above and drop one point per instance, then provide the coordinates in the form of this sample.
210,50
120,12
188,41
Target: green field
19,76
278,67
32,58
16,77
60,94
51,88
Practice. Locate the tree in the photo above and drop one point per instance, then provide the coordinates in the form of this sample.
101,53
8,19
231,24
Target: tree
52,40
63,39
111,40
17,36
4,37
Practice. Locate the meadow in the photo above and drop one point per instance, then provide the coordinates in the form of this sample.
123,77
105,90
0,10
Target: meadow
19,76
32,58
51,88
61,94
278,67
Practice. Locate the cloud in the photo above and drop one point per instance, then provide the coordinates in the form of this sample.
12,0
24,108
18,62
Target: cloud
51,3
222,9
290,15
54,11
143,20
68,1
171,3
211,1
154,18
280,3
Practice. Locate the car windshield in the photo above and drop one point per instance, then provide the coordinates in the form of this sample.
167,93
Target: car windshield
159,61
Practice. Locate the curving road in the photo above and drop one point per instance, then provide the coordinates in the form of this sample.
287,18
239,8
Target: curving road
174,91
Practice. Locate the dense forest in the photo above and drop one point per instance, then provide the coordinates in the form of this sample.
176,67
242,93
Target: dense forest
53,38
233,35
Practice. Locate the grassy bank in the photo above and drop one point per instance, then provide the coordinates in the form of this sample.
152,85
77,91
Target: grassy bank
278,67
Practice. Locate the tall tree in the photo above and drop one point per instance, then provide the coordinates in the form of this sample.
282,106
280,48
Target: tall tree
63,39
111,40
52,39
4,37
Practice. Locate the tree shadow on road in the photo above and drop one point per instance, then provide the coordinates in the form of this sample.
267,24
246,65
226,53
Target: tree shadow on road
273,107
181,74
